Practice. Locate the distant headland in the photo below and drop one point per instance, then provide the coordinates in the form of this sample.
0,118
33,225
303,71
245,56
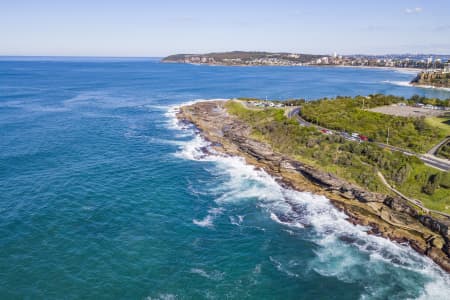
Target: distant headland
243,58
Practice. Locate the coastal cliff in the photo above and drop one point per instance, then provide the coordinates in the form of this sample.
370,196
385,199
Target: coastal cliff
435,79
388,216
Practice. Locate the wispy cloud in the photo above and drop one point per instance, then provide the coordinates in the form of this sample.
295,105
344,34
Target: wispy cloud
415,10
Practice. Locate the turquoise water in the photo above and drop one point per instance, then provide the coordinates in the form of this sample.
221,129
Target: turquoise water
103,195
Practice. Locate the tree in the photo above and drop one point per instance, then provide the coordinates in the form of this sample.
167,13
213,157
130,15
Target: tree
432,184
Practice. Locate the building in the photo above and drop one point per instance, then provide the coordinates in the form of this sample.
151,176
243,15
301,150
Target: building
447,67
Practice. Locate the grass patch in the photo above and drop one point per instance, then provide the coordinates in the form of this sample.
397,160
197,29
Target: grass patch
442,123
413,187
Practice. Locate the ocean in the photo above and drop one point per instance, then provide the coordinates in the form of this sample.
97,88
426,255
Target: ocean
104,195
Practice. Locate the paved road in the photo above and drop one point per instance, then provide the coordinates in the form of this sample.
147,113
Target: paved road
428,159
436,148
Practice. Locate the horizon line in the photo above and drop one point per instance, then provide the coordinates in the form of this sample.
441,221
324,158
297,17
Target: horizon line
210,52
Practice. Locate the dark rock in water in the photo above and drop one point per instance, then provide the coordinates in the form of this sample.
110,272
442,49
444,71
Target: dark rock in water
216,144
285,218
205,150
347,239
371,248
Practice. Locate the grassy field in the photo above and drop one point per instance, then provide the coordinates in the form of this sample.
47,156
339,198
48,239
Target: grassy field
356,162
351,115
413,187
442,123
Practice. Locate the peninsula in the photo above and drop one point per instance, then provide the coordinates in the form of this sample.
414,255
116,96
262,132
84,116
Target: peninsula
243,58
338,148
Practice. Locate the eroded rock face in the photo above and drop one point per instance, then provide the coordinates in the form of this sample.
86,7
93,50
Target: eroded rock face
388,216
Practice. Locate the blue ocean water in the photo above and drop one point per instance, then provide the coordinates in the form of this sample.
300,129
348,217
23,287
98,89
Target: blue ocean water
103,195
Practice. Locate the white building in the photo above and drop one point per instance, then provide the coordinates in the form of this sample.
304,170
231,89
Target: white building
447,67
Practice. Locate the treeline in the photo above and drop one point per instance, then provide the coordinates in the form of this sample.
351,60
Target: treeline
432,101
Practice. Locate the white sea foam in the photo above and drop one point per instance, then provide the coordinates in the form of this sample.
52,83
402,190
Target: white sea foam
399,83
163,297
408,84
236,220
173,122
346,251
275,218
205,222
208,220
214,275
105,99
280,267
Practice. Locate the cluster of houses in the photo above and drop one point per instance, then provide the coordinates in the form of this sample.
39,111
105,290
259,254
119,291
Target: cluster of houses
429,63
269,61
440,63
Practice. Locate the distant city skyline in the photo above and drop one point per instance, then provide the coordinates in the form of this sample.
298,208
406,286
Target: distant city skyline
138,28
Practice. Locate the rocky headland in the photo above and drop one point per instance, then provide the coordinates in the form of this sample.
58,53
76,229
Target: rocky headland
389,216
437,79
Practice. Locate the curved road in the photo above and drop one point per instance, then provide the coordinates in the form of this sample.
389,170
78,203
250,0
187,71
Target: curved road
429,158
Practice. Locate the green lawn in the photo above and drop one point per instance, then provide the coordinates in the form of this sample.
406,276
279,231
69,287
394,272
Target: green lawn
442,123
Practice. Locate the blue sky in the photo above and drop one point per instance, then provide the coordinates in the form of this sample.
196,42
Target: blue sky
158,28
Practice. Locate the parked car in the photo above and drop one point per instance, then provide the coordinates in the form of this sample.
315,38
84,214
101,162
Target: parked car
363,138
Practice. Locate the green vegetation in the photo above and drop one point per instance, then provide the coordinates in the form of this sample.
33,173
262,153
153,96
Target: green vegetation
418,185
444,151
349,114
424,100
356,162
442,123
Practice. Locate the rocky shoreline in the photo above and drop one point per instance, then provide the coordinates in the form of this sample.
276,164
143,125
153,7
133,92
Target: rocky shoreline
387,216
434,79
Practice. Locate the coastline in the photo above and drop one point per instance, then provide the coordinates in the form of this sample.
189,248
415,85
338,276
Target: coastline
406,70
409,84
387,216
423,86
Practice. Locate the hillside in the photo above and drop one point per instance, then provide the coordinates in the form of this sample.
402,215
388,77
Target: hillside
244,58
353,115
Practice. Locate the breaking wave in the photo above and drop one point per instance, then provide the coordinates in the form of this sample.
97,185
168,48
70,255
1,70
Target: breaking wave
408,84
399,83
345,251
